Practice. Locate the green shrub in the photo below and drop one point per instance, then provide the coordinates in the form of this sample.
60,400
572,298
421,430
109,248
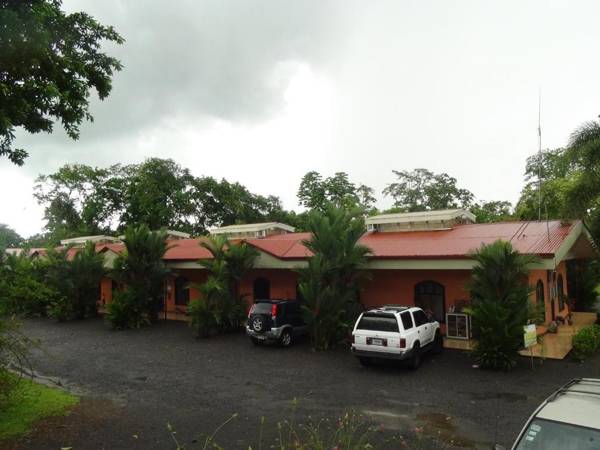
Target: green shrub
330,283
205,318
23,291
125,311
500,305
62,309
586,342
142,269
14,352
222,308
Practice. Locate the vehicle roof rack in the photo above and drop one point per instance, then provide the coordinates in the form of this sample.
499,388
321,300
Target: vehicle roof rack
566,388
395,307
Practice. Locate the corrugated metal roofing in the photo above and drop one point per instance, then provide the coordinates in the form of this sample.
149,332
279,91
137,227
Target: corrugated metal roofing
540,238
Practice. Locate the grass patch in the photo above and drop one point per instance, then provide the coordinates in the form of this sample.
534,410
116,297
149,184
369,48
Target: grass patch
30,402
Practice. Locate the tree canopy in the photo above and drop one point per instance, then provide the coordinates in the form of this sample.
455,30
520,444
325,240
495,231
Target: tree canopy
570,180
318,193
423,190
49,62
84,200
9,237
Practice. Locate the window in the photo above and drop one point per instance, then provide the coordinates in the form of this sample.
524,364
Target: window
261,289
549,435
182,291
539,294
420,318
561,293
429,296
378,322
407,321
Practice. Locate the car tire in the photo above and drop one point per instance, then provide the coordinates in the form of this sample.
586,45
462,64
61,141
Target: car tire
256,341
286,338
415,360
364,361
438,343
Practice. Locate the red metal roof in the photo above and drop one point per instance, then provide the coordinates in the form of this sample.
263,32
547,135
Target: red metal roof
283,246
186,249
540,238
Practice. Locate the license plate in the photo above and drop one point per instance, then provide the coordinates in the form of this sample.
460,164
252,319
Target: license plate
375,341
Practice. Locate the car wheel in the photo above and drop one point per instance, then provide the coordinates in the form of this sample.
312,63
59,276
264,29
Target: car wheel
438,343
286,338
415,360
256,341
365,361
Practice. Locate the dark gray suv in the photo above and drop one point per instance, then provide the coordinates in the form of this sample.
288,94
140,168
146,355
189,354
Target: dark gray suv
275,321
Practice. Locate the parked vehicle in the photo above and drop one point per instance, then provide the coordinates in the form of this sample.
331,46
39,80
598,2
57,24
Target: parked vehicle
395,332
275,321
567,420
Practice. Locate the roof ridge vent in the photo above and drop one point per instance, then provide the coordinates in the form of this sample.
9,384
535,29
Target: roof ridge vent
419,221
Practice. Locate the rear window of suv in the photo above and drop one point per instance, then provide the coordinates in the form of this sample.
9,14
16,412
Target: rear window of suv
261,308
378,322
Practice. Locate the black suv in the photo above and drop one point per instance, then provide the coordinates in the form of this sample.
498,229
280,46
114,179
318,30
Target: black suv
275,321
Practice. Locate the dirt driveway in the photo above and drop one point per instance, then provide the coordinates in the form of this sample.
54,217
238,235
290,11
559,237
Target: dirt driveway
134,382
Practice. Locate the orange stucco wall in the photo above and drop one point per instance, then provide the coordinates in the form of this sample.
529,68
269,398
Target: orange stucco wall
550,294
398,286
384,287
105,291
282,283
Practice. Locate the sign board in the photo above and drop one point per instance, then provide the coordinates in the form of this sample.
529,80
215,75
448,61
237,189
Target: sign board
530,335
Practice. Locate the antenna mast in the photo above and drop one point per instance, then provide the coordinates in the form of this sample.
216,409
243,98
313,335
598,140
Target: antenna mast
540,154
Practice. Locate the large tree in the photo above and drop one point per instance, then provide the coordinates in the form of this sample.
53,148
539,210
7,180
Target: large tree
80,199
49,62
423,190
570,180
551,167
318,193
9,237
492,211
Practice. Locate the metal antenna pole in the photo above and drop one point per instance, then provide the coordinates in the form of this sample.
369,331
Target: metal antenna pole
540,154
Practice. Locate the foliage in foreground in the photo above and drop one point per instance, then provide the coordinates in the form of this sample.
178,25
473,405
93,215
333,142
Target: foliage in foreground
586,342
142,271
221,307
29,403
329,285
500,303
23,290
351,431
14,353
50,62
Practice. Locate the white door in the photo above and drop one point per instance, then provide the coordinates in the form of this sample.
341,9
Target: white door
425,329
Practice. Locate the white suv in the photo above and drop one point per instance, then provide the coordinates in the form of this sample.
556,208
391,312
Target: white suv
568,420
395,332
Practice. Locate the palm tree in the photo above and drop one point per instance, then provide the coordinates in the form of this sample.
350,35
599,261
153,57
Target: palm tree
142,270
500,303
221,306
87,271
330,283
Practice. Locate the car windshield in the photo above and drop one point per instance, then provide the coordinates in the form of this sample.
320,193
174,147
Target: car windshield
548,435
378,322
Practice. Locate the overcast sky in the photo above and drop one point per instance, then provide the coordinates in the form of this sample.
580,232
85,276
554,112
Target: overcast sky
261,92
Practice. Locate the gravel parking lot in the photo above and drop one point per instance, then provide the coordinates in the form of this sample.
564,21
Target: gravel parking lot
133,382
